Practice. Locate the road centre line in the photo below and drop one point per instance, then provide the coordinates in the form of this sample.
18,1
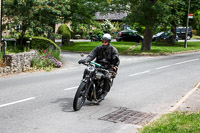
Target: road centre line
163,67
71,88
140,73
177,64
186,61
19,101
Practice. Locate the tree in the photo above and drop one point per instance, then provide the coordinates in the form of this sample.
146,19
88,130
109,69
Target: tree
196,21
40,16
82,12
20,13
36,16
148,13
178,13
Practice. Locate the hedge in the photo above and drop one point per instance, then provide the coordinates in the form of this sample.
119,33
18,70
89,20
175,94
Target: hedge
41,43
65,32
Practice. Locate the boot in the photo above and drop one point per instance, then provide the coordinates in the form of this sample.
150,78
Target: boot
103,95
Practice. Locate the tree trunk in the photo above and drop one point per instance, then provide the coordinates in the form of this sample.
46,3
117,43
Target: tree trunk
21,39
173,30
148,34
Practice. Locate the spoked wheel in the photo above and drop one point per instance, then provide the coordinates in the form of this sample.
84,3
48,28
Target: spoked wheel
188,37
79,98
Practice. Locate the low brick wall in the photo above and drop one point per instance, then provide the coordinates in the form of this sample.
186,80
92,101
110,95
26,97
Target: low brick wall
17,63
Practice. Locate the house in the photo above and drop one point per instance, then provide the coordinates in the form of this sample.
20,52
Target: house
113,17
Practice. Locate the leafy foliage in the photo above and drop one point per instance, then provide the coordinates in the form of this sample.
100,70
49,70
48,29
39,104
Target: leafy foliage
107,26
65,32
196,21
41,43
38,16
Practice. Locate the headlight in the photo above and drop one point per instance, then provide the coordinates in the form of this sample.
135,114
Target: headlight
99,75
90,68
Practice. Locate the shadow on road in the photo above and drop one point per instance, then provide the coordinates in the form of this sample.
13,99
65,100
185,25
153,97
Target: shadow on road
65,103
87,104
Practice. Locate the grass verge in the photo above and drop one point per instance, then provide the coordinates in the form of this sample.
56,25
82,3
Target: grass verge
123,47
163,49
89,46
177,122
196,37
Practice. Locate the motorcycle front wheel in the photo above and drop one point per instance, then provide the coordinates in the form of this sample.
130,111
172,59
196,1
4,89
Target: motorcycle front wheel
79,98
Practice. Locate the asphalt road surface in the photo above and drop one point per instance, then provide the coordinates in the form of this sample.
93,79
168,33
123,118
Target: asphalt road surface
41,102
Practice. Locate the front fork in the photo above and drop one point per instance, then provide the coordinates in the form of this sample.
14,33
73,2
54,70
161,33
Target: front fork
89,83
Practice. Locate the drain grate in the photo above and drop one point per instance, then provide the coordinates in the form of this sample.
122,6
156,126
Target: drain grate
128,116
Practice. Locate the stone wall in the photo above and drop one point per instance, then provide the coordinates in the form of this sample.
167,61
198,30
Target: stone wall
17,63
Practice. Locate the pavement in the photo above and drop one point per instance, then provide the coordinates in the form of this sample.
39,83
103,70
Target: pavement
192,102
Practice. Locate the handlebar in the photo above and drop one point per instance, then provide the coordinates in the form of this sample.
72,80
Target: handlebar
98,66
91,62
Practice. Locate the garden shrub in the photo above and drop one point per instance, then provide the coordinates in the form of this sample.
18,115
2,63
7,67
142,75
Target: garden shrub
196,32
97,32
65,32
41,43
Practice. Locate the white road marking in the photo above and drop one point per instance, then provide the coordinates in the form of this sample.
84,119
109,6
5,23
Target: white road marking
20,101
140,73
163,67
177,64
178,104
71,88
186,61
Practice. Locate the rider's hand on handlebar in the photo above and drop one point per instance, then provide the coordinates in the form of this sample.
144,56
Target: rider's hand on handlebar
82,61
115,72
115,69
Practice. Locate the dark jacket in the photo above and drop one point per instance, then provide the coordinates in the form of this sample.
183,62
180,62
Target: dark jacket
107,57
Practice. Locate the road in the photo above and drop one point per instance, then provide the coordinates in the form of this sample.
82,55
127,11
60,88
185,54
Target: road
41,102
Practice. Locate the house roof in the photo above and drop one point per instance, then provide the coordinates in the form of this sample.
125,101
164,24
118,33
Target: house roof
111,16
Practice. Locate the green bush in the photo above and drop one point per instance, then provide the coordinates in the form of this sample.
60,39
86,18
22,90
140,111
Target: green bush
41,43
196,32
65,32
97,32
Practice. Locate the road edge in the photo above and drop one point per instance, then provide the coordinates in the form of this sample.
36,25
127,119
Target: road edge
176,106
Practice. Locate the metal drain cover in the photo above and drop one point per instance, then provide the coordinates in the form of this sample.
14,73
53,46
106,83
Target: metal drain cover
128,116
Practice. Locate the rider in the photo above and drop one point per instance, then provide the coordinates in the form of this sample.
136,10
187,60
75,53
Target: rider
107,56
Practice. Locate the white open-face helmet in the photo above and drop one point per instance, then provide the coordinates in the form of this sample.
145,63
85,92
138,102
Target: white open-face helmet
106,37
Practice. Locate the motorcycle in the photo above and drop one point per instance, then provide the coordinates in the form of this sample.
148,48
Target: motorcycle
91,86
95,38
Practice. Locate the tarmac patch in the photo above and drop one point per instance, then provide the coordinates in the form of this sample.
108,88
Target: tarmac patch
128,117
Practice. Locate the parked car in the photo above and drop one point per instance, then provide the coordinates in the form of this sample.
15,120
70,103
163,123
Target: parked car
129,36
156,36
181,31
163,35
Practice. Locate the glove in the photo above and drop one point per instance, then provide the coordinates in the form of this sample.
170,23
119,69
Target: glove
115,72
115,69
82,61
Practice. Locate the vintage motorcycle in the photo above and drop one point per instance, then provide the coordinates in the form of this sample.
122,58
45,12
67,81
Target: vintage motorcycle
91,86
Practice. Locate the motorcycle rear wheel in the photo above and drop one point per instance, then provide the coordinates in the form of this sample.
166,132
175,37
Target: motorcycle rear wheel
79,98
